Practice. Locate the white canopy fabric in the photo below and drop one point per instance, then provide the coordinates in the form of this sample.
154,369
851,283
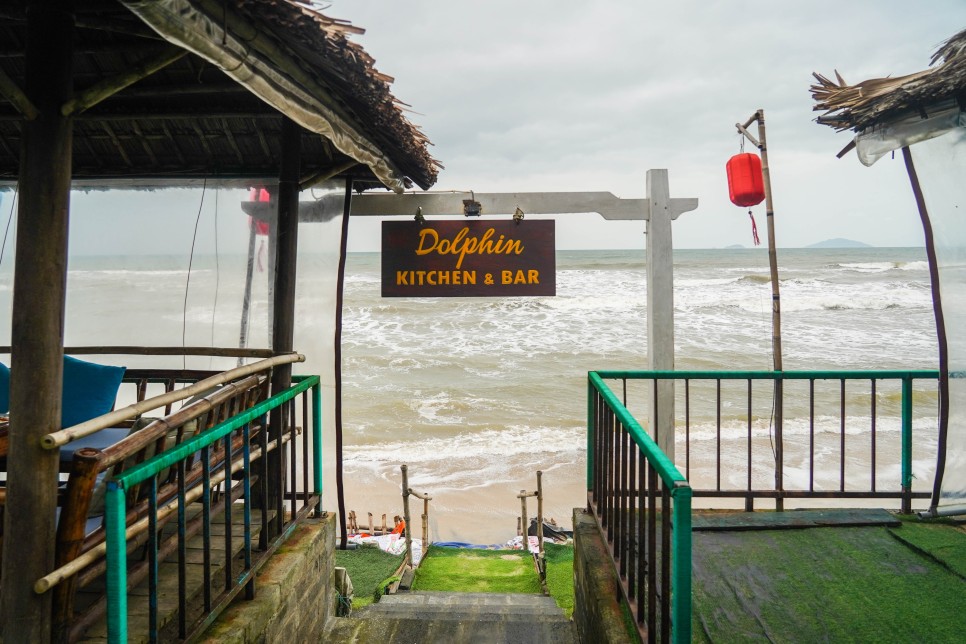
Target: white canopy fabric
874,144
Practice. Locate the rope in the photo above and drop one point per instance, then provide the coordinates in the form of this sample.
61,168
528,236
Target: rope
754,230
191,257
6,230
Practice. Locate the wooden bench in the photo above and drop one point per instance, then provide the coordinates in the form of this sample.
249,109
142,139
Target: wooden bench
80,551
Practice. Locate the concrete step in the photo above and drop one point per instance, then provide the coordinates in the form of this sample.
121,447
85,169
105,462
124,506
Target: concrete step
430,598
458,618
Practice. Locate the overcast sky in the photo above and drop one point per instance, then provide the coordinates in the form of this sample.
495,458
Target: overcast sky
539,95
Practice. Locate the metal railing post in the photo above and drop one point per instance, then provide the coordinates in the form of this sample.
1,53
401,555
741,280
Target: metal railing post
681,565
906,445
317,443
114,505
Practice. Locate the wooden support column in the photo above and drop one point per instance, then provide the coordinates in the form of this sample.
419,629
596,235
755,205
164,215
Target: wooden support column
40,282
283,320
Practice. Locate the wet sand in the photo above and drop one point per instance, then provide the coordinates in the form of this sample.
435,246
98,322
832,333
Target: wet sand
481,515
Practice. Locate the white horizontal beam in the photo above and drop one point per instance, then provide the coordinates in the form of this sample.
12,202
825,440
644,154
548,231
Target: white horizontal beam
493,203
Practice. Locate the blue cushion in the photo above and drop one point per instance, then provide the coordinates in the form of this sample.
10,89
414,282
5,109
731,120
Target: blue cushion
4,388
89,390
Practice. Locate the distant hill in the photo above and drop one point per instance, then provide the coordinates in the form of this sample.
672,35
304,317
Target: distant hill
839,242
734,247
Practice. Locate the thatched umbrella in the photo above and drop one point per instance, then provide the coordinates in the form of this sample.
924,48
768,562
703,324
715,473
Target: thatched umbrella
879,101
925,110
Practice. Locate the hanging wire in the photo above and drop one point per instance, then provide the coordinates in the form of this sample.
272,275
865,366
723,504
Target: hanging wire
191,257
6,230
214,305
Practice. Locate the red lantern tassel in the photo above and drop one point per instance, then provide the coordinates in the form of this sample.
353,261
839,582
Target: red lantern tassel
754,229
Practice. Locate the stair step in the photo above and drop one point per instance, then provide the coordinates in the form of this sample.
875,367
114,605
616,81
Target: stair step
459,615
464,599
386,629
457,618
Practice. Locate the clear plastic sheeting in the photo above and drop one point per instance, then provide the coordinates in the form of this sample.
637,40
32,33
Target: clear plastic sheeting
940,164
316,293
877,142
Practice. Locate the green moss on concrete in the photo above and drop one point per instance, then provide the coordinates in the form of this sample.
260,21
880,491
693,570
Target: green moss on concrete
477,571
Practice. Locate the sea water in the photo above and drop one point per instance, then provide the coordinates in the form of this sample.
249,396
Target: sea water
475,395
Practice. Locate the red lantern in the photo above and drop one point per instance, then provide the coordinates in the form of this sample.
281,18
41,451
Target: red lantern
745,182
258,194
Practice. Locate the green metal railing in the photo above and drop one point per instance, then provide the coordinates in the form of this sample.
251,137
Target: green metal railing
849,403
842,420
147,472
638,497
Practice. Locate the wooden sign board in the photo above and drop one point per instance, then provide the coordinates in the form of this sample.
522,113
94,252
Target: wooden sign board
468,258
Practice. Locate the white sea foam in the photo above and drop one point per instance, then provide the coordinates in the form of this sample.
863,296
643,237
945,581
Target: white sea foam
473,391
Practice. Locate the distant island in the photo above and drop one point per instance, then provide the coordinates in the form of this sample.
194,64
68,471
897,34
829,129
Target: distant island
734,247
839,242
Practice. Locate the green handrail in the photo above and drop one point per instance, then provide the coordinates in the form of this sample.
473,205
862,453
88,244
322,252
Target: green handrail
876,374
665,468
680,493
115,509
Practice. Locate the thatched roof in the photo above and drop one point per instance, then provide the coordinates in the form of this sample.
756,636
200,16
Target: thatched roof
880,100
216,112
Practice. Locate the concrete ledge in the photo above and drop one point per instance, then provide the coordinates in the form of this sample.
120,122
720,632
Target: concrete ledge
294,591
598,613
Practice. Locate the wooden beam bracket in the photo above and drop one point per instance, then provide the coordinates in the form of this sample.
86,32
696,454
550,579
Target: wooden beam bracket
111,86
16,96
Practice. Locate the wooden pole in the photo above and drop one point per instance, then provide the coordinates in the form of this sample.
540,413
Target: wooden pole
337,357
39,291
523,519
776,313
406,531
283,326
425,523
776,309
247,298
540,510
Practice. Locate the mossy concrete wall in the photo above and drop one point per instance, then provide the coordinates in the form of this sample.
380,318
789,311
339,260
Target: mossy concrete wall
598,613
295,591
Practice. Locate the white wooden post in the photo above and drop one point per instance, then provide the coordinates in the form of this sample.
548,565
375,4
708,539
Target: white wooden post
662,210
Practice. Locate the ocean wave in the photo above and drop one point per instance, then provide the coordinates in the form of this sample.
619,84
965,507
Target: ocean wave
881,267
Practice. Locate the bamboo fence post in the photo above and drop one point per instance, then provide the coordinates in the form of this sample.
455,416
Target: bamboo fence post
384,523
523,519
371,526
425,522
406,531
540,511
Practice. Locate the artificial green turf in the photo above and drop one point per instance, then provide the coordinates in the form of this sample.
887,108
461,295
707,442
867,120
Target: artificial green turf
560,575
477,571
368,568
939,540
822,584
